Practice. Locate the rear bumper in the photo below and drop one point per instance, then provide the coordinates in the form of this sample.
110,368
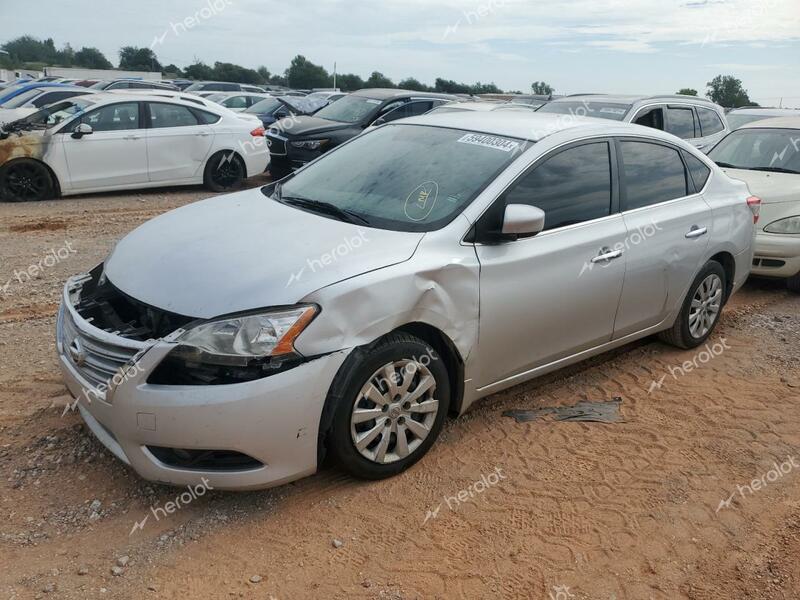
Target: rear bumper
776,255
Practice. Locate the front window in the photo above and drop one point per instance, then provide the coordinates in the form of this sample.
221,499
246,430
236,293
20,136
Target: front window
351,109
266,106
403,177
583,108
55,114
775,150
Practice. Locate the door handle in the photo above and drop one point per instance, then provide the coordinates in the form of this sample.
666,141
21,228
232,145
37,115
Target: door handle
696,232
132,137
204,134
606,254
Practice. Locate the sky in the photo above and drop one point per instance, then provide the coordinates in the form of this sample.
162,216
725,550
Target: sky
606,46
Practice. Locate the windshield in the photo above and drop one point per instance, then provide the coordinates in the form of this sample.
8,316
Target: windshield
736,121
264,106
760,149
350,109
216,97
404,177
583,108
55,114
22,98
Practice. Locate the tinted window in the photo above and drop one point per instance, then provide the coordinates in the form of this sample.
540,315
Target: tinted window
652,174
120,85
235,102
710,122
571,187
653,117
114,117
170,115
698,171
51,97
268,105
411,109
680,122
206,117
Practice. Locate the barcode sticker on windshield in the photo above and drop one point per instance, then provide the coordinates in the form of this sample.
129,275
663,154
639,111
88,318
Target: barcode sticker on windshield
613,111
489,141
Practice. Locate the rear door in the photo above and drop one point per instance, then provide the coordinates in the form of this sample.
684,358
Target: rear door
178,142
667,231
712,128
115,153
553,295
682,122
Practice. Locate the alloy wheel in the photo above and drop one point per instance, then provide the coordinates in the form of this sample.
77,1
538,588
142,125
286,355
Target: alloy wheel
228,171
26,182
394,411
706,305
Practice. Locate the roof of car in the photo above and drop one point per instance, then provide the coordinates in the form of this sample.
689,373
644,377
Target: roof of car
167,95
387,93
758,110
527,125
775,123
629,98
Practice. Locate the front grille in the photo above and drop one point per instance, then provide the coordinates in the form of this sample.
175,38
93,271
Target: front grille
97,360
205,460
770,263
276,143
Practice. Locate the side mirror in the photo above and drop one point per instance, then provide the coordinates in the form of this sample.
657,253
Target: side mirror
522,220
81,130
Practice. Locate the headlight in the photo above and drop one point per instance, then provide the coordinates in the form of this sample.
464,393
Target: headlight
309,144
788,225
238,340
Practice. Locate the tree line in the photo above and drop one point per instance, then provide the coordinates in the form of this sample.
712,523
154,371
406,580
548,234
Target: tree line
29,52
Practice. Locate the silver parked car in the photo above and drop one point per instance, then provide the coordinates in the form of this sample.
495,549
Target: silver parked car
696,120
349,308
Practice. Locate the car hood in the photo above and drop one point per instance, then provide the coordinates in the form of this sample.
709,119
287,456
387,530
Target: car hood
772,188
302,126
245,251
12,114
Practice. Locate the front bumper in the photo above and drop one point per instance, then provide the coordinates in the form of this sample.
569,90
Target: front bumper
776,255
273,420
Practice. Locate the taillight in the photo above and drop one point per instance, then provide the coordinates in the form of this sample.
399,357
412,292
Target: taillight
754,203
257,132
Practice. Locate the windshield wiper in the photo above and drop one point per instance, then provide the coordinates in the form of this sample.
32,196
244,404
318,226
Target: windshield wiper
325,208
725,165
775,170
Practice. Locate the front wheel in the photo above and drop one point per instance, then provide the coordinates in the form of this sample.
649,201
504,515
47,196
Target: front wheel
224,172
701,310
391,406
25,180
793,283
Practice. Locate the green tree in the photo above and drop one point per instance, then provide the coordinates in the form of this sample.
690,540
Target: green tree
138,59
542,88
727,91
413,84
378,80
264,73
485,88
348,82
91,58
26,48
687,92
302,73
172,71
199,70
235,73
448,86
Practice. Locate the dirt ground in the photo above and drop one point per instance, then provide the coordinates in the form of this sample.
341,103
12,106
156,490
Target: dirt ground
661,506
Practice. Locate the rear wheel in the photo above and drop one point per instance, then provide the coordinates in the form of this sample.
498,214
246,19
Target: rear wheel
25,180
701,309
224,171
392,401
793,283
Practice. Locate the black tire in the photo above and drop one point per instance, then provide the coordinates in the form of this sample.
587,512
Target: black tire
345,396
793,283
224,171
26,180
680,334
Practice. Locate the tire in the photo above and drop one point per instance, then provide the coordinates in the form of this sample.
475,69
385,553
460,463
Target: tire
26,180
793,283
224,171
706,298
380,421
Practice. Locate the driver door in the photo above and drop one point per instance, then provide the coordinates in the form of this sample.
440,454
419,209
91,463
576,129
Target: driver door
113,154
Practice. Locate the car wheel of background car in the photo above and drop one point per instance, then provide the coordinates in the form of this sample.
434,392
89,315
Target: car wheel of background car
391,401
701,309
25,180
224,171
793,283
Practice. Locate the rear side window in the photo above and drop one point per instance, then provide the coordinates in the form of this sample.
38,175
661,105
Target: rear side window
170,115
680,122
235,102
698,171
710,122
205,117
652,174
653,117
571,187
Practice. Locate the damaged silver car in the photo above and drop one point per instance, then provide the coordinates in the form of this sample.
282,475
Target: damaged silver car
349,308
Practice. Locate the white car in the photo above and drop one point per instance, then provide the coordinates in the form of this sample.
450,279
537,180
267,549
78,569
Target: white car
29,102
112,141
742,116
237,101
766,156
